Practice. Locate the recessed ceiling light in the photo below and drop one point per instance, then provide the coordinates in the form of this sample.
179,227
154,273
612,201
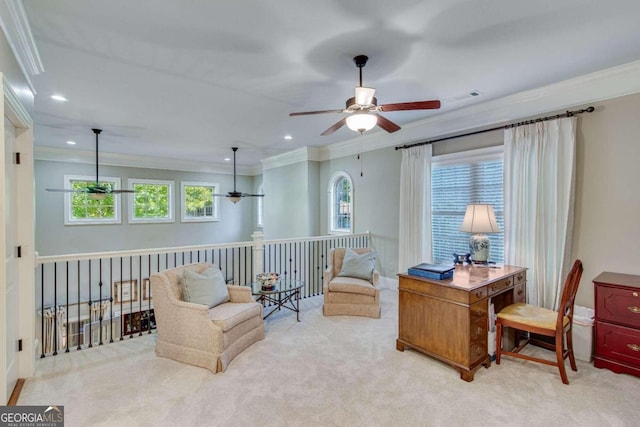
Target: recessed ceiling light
71,142
59,98
288,137
227,159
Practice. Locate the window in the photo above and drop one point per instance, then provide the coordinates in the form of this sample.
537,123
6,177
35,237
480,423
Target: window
198,201
80,208
457,180
260,203
152,201
340,203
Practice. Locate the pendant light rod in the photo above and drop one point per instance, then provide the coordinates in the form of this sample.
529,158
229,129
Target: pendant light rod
97,132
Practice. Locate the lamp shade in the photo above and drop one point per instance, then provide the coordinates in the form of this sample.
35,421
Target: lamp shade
479,218
361,122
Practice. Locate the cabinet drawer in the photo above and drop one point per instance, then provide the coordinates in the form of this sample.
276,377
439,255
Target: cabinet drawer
618,342
618,305
500,285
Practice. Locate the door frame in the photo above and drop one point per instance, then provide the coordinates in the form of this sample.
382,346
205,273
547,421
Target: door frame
24,224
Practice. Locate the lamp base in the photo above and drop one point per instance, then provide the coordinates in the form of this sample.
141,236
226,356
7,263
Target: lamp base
479,248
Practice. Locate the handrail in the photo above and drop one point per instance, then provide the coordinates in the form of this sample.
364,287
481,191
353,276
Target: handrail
135,252
155,251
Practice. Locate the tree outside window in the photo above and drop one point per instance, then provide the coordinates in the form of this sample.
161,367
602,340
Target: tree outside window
80,208
152,201
198,202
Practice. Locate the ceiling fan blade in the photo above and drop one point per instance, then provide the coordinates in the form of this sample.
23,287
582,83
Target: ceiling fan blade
306,113
417,105
334,128
121,191
252,195
387,124
65,190
364,95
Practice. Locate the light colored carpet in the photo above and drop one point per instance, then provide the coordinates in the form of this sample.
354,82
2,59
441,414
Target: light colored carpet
324,371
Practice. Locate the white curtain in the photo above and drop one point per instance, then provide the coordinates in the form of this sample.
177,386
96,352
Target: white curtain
539,181
415,207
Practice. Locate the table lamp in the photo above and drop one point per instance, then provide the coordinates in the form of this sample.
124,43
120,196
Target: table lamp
479,219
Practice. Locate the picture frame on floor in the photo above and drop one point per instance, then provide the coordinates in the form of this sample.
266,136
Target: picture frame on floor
125,291
146,289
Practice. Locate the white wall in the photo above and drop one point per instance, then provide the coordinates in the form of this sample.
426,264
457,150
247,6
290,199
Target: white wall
290,201
607,221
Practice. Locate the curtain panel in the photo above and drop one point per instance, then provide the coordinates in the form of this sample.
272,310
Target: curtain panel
539,182
414,246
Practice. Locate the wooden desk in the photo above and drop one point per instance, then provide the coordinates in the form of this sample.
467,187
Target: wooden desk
449,319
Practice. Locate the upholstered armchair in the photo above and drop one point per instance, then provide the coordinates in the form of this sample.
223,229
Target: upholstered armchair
196,334
352,296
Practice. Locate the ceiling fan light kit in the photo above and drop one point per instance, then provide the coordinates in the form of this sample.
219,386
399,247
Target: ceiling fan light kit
361,122
363,108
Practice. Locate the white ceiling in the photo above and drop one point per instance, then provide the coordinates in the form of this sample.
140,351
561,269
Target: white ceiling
187,80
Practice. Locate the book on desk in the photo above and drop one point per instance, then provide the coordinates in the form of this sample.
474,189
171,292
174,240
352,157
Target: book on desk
432,271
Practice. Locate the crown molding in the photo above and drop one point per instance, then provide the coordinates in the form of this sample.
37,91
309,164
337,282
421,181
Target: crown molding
113,159
598,86
17,30
16,111
302,154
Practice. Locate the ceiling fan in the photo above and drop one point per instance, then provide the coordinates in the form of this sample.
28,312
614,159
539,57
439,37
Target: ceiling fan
362,110
236,195
96,191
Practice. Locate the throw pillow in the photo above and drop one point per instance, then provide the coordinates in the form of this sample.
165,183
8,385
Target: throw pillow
208,288
360,266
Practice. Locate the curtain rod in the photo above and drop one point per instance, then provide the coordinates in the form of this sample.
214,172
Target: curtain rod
511,125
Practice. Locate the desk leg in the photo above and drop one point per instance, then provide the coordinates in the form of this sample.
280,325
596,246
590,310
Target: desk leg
467,375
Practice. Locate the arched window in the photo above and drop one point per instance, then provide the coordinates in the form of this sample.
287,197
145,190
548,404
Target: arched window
341,203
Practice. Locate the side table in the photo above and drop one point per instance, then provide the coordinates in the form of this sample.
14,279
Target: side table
285,294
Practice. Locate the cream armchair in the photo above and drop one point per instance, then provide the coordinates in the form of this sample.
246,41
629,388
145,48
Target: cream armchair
349,295
198,335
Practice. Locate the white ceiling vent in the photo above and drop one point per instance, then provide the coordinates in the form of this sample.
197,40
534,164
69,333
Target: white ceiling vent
472,94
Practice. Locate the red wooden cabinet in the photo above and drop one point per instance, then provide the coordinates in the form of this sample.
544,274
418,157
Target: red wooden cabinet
617,322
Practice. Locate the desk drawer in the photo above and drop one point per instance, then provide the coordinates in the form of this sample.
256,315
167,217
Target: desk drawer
520,292
618,305
520,278
500,286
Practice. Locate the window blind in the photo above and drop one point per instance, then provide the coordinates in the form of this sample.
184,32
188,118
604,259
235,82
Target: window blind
452,188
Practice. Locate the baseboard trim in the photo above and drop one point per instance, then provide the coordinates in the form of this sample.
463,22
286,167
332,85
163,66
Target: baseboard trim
15,394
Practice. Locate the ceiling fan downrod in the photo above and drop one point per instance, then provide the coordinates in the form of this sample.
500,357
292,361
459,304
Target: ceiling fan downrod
361,61
97,132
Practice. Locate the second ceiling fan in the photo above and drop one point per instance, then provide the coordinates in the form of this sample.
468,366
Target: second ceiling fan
362,109
235,196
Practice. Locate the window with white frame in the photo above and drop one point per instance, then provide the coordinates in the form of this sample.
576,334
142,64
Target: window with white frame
459,179
198,201
83,209
340,203
260,203
151,202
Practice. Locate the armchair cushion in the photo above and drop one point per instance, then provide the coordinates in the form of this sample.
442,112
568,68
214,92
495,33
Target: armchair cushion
357,265
352,285
227,316
208,288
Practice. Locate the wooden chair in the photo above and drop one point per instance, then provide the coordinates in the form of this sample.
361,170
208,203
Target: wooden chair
542,321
